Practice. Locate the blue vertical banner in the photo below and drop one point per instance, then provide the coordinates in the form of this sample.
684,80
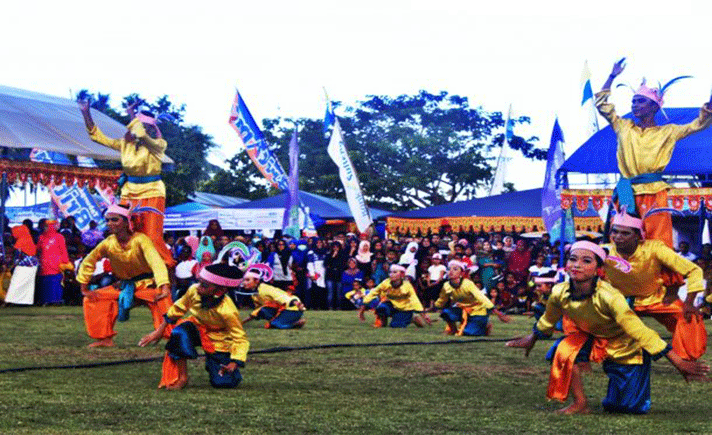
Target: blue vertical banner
555,219
290,223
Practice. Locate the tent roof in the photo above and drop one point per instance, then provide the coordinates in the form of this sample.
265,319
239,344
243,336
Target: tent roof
215,200
34,120
692,155
324,207
187,207
523,203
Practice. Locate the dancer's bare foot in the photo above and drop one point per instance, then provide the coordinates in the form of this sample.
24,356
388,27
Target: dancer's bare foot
488,331
106,342
178,385
299,323
575,408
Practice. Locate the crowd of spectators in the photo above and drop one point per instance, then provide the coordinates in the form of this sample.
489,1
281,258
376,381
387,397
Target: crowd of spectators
322,270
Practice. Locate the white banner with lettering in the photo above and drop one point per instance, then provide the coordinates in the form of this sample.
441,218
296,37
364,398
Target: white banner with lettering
229,218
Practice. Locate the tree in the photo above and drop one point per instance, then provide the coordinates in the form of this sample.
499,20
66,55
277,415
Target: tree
188,146
409,151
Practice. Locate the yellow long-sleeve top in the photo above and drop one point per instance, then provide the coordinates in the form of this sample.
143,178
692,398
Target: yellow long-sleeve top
138,257
270,296
644,281
646,150
140,159
222,322
466,295
604,314
403,297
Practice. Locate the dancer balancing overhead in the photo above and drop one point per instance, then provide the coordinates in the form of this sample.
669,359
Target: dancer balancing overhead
644,150
635,267
141,272
607,331
212,322
462,301
141,184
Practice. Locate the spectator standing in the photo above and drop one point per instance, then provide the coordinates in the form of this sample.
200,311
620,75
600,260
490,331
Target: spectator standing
335,264
53,259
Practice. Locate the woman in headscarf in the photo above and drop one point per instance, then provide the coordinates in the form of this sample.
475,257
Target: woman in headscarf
206,245
214,230
281,263
363,258
193,242
22,283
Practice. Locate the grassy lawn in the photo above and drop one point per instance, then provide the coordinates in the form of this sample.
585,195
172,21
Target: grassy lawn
480,387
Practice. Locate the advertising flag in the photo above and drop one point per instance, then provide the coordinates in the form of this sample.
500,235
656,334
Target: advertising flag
551,212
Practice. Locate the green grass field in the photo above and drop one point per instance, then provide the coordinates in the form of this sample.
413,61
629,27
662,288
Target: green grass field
454,388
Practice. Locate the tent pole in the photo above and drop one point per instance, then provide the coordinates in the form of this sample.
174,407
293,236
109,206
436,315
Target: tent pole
3,188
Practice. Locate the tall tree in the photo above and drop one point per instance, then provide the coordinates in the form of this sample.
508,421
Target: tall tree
409,151
188,146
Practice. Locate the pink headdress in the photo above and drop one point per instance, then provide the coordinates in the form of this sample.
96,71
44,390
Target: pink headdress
217,279
547,280
117,209
397,268
457,263
260,271
625,220
655,94
590,246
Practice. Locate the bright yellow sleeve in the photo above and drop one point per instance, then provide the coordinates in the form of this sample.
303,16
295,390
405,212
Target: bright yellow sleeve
182,305
88,264
154,260
480,297
633,326
98,136
376,292
703,121
239,345
606,109
278,295
553,312
676,263
444,297
413,296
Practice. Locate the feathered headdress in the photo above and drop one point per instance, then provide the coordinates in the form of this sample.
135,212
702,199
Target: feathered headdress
655,94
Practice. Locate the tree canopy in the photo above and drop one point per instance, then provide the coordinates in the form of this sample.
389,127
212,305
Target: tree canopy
188,146
409,151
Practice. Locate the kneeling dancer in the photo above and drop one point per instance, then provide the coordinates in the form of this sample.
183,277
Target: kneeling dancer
462,301
280,309
398,300
607,331
213,323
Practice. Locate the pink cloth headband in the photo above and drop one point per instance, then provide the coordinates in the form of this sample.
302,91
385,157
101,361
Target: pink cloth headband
550,280
146,119
457,263
650,93
397,268
218,280
590,246
626,220
117,209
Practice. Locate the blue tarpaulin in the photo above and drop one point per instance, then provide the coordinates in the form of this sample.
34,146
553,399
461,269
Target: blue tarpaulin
692,155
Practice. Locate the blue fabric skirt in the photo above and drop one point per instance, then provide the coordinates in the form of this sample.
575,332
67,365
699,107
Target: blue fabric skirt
476,325
286,319
182,344
51,289
399,319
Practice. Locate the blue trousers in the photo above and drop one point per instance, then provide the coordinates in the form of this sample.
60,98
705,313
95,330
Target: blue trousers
285,320
182,343
476,325
628,384
399,319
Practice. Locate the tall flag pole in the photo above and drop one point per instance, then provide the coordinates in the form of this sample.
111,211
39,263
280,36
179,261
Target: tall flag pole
290,222
255,143
558,222
338,153
501,170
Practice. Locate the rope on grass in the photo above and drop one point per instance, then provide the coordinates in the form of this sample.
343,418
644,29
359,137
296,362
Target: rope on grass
278,349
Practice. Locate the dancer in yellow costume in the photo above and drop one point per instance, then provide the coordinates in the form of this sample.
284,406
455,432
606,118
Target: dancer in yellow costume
635,266
608,331
398,300
462,301
141,184
644,150
280,309
141,272
213,323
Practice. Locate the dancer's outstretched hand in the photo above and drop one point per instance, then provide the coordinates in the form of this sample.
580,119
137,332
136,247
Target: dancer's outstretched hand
227,368
690,370
526,343
84,105
618,67
153,337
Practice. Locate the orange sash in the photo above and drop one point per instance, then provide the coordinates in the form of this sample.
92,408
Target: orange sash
564,359
689,339
170,371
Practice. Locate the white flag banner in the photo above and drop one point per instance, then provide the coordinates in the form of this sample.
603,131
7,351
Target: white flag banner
501,170
354,196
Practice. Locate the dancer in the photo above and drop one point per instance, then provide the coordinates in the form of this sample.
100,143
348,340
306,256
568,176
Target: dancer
280,309
141,184
462,301
141,273
607,331
644,150
398,301
213,323
639,276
